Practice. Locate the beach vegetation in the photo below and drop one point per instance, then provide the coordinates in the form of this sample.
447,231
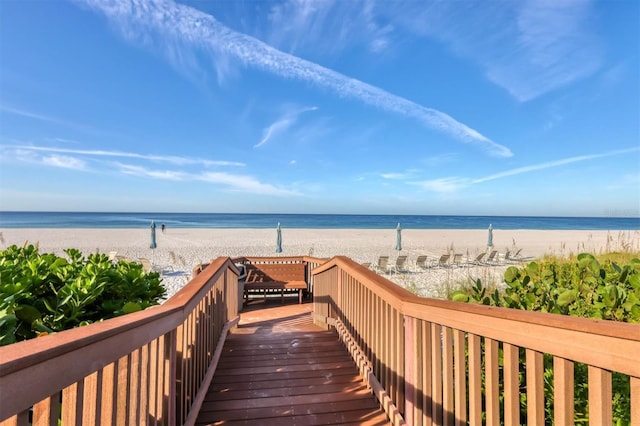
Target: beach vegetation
42,293
584,286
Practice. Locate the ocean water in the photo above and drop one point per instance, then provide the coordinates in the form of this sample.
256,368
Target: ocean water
322,221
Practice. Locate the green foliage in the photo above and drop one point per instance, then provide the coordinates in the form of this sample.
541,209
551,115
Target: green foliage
477,293
584,287
44,293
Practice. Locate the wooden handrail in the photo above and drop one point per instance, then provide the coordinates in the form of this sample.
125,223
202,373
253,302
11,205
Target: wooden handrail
151,346
427,353
404,300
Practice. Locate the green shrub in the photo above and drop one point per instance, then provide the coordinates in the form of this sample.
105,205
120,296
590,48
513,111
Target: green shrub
582,286
44,293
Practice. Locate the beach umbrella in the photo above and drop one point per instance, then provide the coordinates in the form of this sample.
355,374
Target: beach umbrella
153,244
490,239
278,239
398,237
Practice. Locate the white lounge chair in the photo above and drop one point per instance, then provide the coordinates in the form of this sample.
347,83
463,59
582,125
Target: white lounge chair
478,259
444,260
383,264
492,258
422,262
148,266
401,264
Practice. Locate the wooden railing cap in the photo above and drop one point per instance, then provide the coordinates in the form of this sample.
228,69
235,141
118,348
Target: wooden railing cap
411,305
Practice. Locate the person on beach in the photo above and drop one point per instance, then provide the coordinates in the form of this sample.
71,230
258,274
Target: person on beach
163,228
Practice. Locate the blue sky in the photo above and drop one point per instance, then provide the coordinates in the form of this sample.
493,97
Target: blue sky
328,106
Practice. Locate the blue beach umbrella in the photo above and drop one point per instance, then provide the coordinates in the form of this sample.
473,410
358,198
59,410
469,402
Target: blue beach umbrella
398,237
490,239
278,239
153,244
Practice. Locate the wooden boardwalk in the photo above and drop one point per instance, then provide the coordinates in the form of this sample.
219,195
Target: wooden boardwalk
278,368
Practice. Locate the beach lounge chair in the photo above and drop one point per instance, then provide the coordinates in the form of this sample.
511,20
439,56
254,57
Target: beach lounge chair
401,264
421,262
513,258
491,259
457,259
148,266
444,260
366,265
112,255
383,264
516,257
478,259
507,257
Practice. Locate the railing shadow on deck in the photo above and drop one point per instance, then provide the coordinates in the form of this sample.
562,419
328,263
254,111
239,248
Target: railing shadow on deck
151,367
440,362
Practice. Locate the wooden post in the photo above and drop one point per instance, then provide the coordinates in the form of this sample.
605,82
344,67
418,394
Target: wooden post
410,380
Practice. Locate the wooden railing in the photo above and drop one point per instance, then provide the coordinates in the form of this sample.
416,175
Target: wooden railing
147,368
439,362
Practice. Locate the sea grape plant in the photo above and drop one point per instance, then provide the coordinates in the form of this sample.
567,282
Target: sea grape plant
44,293
585,288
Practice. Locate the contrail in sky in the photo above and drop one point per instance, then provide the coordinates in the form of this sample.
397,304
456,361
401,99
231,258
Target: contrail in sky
193,27
103,153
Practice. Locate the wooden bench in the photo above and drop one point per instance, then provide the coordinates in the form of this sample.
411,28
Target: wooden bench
273,277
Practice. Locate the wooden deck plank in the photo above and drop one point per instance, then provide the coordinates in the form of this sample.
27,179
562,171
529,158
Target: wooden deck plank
278,368
282,353
303,389
360,392
280,376
282,413
294,382
267,369
351,417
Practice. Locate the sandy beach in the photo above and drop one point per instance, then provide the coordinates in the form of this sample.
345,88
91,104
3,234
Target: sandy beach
179,250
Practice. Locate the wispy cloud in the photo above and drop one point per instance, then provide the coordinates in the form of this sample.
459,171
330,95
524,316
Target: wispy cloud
34,157
399,175
627,181
183,161
229,181
550,164
130,169
244,183
65,162
327,25
41,117
451,184
282,125
181,24
528,47
448,184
